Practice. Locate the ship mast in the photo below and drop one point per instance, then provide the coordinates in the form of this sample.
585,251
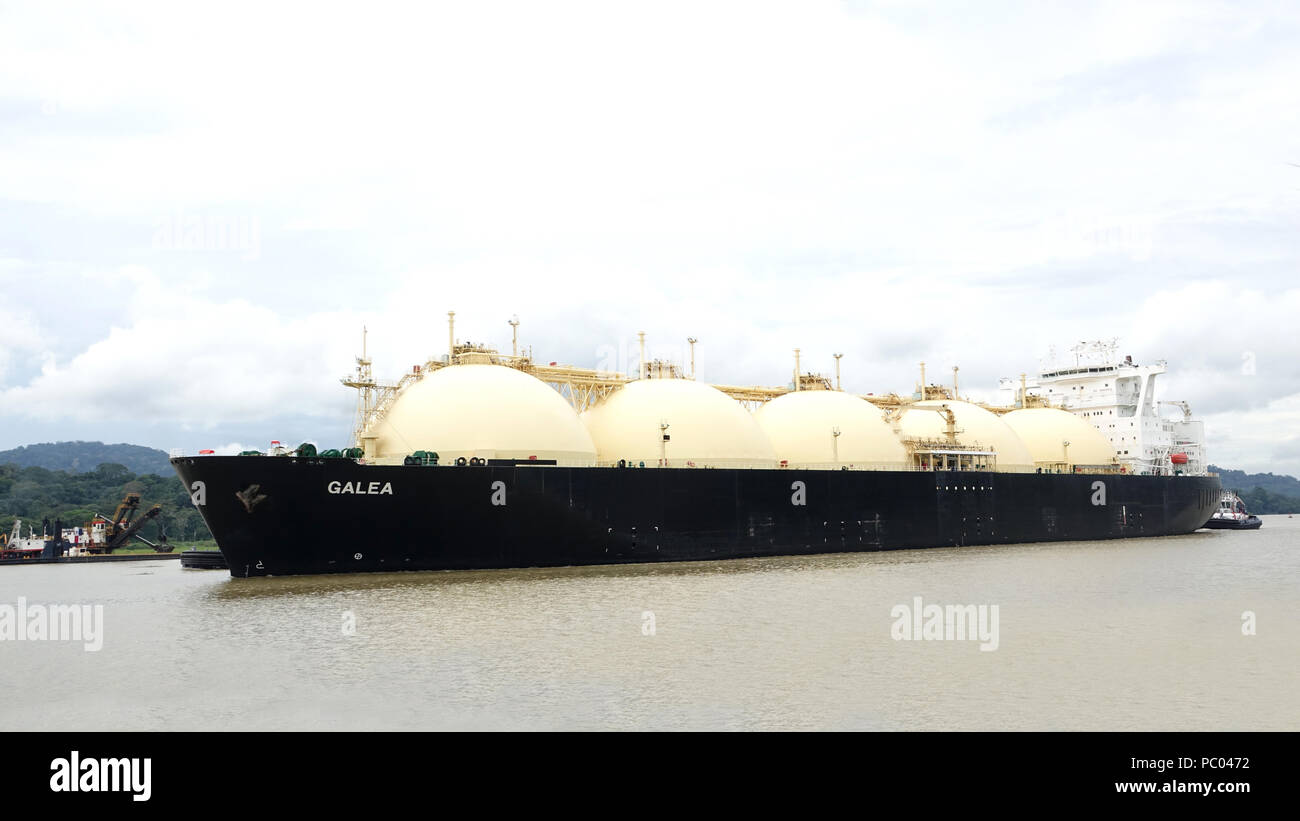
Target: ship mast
363,380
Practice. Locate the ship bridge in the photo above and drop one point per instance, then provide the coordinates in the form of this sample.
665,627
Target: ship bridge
1120,398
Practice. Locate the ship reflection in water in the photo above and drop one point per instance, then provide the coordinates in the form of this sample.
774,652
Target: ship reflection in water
1114,635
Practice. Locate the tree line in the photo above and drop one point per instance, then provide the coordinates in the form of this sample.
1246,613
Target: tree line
1261,501
36,493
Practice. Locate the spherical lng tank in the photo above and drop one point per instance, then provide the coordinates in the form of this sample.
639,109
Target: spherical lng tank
706,428
484,411
1045,431
801,427
976,427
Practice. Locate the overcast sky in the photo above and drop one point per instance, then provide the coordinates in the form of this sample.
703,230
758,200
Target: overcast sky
201,205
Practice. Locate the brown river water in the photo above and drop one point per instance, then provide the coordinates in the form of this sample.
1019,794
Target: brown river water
1138,634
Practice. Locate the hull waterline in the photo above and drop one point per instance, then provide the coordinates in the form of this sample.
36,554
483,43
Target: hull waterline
291,515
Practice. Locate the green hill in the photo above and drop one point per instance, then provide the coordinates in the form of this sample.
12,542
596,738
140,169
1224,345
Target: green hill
1280,484
1262,492
81,457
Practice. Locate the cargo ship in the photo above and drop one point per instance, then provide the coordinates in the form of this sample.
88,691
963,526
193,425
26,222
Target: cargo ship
481,460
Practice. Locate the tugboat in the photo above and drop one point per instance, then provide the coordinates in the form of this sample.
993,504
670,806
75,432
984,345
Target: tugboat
1232,514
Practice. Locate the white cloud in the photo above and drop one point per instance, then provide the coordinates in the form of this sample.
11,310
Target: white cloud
230,449
193,361
1266,438
890,181
20,336
1231,346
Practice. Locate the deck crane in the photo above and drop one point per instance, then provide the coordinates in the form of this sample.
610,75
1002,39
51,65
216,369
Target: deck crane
121,528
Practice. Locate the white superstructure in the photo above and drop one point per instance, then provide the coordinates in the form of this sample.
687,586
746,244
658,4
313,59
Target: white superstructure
30,544
1120,399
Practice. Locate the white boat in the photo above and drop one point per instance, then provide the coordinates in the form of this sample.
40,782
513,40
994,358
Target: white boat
1232,515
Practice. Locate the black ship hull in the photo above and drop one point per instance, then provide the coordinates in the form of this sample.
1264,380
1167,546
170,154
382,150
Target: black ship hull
289,515
1248,523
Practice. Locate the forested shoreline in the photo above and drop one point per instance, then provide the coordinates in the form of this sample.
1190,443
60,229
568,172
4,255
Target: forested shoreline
36,493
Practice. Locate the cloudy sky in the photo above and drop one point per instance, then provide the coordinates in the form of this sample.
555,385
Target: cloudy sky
202,204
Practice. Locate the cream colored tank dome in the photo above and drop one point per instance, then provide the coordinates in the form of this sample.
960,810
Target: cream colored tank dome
799,426
977,426
707,428
1045,430
488,411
